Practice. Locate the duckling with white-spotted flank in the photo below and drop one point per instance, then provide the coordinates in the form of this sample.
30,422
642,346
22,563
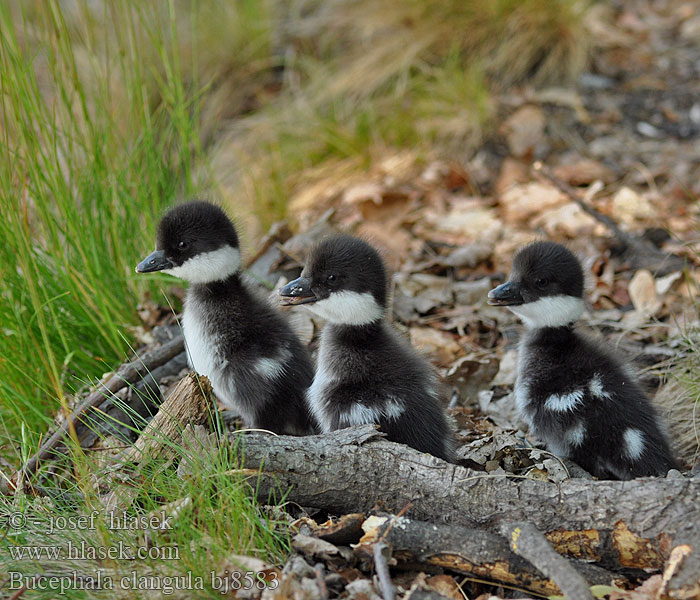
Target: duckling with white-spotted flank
577,398
256,365
366,373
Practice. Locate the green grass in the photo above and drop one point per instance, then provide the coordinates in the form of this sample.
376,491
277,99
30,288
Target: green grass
211,519
84,175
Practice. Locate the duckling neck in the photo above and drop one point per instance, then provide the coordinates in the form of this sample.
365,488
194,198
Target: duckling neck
356,334
230,285
552,337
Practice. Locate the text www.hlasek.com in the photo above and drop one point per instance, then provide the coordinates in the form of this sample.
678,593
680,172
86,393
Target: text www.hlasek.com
84,551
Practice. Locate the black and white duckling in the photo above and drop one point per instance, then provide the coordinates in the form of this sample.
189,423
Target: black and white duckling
366,373
256,364
575,395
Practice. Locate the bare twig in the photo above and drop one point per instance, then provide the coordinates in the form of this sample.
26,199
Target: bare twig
127,374
543,172
526,541
382,555
639,252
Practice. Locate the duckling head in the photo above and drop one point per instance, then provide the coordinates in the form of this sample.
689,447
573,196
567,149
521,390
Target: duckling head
344,281
545,287
197,242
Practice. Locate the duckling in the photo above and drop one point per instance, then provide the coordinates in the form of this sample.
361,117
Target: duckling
574,395
256,364
366,373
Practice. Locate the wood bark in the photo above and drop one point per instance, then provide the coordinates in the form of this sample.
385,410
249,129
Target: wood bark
619,524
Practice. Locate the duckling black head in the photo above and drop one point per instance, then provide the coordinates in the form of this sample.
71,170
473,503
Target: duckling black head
196,242
545,287
344,281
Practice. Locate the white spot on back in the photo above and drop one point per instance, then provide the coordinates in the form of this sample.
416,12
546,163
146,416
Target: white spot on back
208,267
576,434
270,368
549,311
359,414
596,388
564,402
634,443
348,308
393,409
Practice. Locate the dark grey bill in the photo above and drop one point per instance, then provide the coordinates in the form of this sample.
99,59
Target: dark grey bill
155,261
506,294
297,292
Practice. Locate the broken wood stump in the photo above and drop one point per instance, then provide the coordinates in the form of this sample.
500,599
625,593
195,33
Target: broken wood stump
188,404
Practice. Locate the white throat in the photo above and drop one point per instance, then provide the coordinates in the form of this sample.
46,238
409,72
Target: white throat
209,266
348,308
549,311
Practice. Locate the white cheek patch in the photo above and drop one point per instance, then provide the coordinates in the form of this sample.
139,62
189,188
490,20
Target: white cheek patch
564,402
596,388
549,311
634,443
209,266
348,308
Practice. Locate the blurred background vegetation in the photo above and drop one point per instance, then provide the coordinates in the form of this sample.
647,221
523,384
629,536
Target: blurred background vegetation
113,110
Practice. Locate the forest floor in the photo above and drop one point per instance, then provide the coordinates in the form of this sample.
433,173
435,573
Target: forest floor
624,142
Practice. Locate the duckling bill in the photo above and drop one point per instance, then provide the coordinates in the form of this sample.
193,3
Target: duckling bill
575,395
366,373
256,365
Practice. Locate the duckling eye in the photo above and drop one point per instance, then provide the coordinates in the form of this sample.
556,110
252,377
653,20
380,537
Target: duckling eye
182,245
541,283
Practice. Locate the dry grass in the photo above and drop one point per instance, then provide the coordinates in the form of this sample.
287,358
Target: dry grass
362,79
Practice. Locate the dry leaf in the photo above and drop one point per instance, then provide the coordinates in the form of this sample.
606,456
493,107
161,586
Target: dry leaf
628,207
435,343
642,291
521,202
523,130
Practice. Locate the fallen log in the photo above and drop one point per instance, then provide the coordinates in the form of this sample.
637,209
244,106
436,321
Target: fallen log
618,524
480,553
